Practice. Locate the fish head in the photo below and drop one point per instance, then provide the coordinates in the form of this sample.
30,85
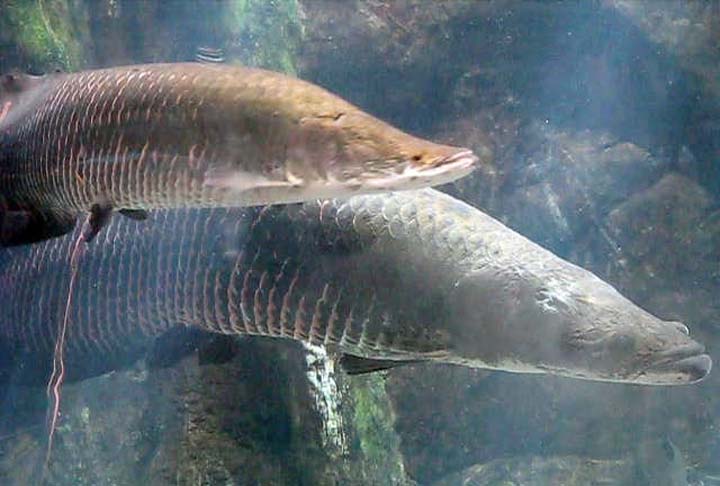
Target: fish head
17,93
312,144
574,325
357,153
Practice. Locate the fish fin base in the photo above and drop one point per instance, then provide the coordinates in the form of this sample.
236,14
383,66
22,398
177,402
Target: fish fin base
99,217
136,214
22,227
356,365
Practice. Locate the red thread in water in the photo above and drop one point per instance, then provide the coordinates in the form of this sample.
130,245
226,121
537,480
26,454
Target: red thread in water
58,373
5,110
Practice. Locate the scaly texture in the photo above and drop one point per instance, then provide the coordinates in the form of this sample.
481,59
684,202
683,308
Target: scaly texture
319,272
192,135
401,276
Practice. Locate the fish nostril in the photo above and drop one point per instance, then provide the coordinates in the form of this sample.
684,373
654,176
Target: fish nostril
682,327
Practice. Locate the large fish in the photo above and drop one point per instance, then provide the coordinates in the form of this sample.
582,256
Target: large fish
385,279
192,135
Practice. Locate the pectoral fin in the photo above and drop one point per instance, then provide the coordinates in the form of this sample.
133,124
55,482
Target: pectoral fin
21,226
136,214
99,218
234,180
355,365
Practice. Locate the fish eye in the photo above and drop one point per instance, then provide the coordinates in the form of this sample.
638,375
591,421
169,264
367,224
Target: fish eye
416,158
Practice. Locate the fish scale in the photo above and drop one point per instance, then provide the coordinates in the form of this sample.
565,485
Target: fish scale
406,276
190,135
273,308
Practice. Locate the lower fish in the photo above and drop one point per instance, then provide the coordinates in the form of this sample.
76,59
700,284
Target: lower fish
380,280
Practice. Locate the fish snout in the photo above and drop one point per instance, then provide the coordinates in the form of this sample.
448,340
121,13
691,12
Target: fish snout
696,367
460,159
425,166
450,164
682,327
465,156
687,363
450,159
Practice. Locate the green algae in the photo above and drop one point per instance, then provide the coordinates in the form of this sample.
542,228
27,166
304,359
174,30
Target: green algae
264,33
48,33
374,425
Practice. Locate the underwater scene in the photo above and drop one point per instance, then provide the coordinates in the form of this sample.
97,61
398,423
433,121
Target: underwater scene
359,242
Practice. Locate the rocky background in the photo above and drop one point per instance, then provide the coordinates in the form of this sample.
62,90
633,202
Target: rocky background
604,117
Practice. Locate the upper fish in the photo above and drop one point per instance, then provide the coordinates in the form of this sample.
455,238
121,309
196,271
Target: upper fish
150,136
381,279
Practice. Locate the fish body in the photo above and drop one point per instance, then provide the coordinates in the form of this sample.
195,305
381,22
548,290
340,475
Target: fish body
194,135
382,279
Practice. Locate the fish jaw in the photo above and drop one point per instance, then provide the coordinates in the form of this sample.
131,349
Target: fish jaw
448,170
681,365
684,364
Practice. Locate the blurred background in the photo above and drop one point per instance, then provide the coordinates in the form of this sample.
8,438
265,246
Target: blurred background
604,116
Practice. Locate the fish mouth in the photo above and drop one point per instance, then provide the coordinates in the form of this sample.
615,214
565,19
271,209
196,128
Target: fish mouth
464,160
680,365
415,176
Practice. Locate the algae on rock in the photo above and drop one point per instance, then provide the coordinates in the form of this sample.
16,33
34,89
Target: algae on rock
374,424
48,34
263,33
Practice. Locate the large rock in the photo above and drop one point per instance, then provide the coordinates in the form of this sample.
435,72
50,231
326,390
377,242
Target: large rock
669,235
653,463
42,36
273,414
76,34
564,63
541,471
688,32
451,418
558,186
